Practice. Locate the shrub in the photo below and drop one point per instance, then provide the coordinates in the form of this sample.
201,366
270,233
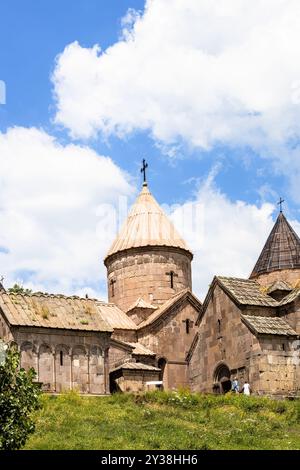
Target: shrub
19,397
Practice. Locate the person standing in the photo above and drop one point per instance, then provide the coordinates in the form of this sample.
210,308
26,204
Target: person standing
246,388
235,385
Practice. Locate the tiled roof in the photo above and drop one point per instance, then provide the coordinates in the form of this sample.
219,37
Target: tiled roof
54,311
167,305
279,285
141,350
141,303
269,325
290,297
246,291
147,225
136,366
281,251
59,311
115,317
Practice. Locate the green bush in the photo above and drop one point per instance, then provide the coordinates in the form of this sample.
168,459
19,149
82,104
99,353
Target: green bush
19,397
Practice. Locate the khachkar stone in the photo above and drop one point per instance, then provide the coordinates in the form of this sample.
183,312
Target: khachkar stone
148,259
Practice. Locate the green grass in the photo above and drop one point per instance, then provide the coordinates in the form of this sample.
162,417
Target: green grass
160,420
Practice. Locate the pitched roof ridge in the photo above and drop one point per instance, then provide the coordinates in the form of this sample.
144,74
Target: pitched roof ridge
166,306
141,303
135,365
54,296
237,279
279,285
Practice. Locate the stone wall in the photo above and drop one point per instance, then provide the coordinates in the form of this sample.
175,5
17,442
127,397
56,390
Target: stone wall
117,355
291,313
223,340
274,370
136,381
5,332
65,360
143,273
269,363
129,336
289,275
168,338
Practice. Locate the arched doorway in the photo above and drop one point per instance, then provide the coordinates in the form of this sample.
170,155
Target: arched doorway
222,382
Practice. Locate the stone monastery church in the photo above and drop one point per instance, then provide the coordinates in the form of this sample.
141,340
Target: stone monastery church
153,330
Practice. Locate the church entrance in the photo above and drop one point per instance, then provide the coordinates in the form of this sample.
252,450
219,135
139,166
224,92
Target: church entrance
222,382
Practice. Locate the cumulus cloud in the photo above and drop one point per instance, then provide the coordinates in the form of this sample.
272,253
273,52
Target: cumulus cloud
62,205
225,236
204,71
52,206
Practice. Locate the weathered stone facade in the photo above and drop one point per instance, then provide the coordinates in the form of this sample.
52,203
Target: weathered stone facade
154,331
65,361
268,362
170,338
144,273
287,275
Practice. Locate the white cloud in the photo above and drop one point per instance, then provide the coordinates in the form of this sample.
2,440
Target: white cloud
226,236
51,200
61,205
203,71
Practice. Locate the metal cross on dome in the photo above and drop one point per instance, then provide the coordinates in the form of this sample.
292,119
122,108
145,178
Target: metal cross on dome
281,201
143,169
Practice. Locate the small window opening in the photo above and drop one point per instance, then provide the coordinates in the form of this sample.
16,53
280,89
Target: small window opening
61,358
112,284
219,326
188,325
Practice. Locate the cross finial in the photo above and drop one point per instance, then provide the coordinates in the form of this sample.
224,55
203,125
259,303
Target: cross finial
143,169
280,203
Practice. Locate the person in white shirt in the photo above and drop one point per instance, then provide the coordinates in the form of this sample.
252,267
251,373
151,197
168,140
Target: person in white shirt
246,388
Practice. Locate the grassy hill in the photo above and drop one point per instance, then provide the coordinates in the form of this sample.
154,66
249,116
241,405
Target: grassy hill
166,421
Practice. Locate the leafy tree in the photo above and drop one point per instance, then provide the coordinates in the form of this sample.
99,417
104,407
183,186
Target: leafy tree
17,289
19,397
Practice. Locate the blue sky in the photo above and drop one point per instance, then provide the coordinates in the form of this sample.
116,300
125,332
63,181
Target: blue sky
32,34
184,140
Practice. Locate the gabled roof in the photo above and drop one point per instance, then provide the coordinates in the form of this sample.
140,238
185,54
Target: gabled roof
55,311
279,285
246,292
147,225
268,325
141,350
291,297
133,348
281,251
115,317
136,366
141,303
169,304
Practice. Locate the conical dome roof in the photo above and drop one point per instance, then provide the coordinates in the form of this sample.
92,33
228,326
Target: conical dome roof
281,251
147,225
